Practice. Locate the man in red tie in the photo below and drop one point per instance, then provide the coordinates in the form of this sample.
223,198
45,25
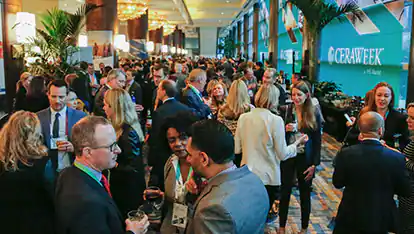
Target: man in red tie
83,199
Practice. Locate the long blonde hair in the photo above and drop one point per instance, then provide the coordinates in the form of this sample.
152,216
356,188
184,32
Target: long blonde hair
23,77
121,103
267,97
238,99
308,118
21,141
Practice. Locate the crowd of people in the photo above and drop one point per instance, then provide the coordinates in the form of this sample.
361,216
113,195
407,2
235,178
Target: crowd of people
224,142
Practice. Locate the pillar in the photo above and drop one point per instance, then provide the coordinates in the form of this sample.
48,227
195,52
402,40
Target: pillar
137,35
234,52
239,40
182,40
255,44
273,39
158,40
100,25
9,68
246,35
410,82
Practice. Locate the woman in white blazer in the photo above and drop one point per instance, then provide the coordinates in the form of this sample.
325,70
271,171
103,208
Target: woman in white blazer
260,137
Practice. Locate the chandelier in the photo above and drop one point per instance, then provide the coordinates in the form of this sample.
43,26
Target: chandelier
168,28
155,21
131,9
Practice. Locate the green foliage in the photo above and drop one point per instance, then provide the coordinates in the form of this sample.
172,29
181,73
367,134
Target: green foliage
56,43
319,13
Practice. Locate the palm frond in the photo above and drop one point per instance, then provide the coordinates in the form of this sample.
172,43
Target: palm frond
78,20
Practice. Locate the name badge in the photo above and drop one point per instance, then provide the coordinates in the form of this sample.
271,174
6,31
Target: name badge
54,141
179,217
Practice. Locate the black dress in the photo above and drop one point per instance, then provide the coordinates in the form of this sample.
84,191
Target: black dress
406,204
127,180
26,206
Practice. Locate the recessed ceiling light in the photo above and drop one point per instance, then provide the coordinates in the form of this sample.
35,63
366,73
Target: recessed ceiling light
227,1
222,13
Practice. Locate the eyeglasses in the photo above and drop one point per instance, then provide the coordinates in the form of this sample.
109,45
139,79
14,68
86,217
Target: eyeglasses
111,147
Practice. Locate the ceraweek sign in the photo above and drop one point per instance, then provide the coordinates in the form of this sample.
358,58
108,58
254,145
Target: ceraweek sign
358,55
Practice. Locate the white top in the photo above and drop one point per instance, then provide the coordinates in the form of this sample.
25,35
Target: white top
260,135
63,157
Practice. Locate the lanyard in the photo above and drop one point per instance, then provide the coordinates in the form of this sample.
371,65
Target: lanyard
178,177
179,184
197,92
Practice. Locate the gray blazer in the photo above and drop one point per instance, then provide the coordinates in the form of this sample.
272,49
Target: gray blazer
233,202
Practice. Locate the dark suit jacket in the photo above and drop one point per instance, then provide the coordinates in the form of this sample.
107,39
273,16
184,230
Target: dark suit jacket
82,88
26,205
84,207
192,100
158,155
128,178
394,124
224,206
45,120
371,175
99,101
136,91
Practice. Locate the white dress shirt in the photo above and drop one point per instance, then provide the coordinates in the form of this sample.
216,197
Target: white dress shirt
63,157
260,136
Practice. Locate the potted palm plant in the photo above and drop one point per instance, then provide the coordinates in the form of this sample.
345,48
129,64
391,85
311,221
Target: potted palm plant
56,43
318,14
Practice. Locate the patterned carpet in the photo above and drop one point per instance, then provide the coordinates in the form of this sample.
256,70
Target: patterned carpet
325,198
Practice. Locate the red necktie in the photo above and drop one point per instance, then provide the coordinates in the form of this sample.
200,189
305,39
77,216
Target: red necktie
105,183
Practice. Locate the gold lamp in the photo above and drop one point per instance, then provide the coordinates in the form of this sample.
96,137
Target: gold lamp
131,9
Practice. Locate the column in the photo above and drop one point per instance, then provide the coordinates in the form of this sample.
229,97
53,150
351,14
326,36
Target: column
234,52
158,40
246,35
100,25
410,82
137,35
239,40
9,68
256,32
182,40
273,39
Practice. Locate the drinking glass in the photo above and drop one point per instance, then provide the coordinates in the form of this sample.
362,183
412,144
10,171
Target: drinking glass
136,215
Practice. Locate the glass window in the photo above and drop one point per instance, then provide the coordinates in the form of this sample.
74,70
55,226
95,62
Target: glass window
250,51
250,40
251,21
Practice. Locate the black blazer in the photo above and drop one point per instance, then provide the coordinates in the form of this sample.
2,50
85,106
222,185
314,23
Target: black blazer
84,207
26,205
128,178
192,100
82,88
136,91
158,155
371,175
99,101
396,123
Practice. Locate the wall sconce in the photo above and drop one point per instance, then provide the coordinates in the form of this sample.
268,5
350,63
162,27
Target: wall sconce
150,47
119,41
185,51
179,50
173,50
164,49
25,27
83,41
126,47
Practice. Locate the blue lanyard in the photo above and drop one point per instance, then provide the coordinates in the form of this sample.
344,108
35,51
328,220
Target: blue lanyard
178,173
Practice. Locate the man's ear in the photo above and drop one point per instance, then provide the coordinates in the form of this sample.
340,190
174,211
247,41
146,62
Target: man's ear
205,160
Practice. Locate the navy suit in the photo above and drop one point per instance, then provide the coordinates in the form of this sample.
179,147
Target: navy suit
371,175
193,100
158,156
45,120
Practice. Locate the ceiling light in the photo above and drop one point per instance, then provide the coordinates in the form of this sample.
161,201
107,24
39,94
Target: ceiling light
227,1
222,13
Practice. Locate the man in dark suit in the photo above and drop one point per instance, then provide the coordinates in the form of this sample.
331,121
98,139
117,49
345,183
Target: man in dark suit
81,85
56,122
94,79
224,205
116,79
192,96
166,92
371,174
83,199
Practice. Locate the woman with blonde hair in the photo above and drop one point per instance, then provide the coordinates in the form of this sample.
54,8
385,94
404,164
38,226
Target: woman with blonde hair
217,97
127,179
237,103
22,87
260,137
26,205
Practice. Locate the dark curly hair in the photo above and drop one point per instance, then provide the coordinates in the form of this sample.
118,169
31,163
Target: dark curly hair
182,122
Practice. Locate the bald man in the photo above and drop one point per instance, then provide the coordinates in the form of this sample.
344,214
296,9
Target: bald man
371,174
